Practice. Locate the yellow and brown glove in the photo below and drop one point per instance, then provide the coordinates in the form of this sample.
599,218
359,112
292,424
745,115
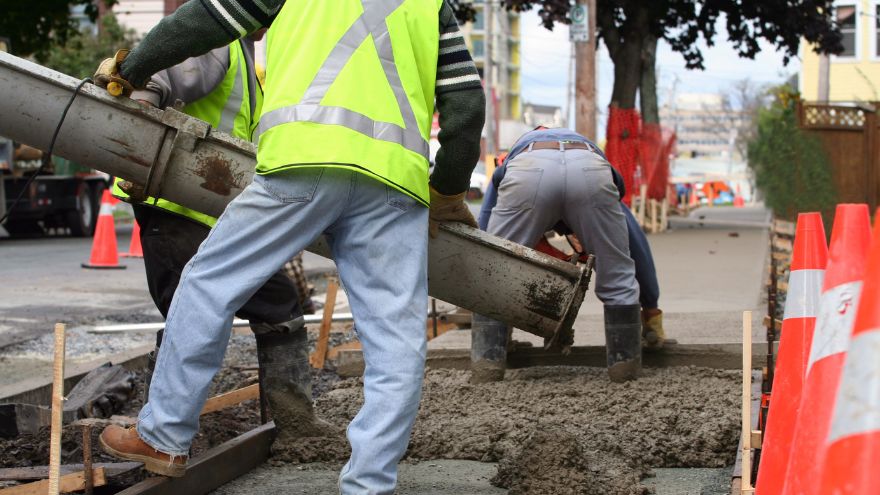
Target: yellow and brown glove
107,75
653,335
448,209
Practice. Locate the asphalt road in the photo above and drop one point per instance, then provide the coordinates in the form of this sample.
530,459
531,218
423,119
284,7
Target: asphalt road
43,283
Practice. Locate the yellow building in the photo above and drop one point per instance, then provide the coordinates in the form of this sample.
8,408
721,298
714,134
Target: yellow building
855,73
506,55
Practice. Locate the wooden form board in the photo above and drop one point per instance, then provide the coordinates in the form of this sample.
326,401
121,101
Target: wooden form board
718,356
215,467
69,483
34,473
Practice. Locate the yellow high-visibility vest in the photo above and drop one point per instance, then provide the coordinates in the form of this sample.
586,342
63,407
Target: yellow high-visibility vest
350,83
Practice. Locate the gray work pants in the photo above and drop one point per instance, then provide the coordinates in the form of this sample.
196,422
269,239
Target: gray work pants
542,187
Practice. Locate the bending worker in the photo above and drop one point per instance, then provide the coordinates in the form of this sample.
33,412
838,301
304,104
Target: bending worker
220,87
653,335
554,176
343,151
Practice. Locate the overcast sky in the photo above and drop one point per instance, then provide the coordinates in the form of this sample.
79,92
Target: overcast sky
545,56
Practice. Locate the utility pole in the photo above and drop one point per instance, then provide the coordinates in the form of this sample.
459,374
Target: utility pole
569,87
488,69
585,68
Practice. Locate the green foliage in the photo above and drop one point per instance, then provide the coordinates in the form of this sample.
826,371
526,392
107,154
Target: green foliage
34,26
791,167
80,55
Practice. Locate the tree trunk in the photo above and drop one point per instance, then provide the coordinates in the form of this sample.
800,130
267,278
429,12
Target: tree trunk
625,45
648,83
627,68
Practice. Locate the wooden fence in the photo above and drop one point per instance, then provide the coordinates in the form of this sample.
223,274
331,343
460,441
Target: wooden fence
849,135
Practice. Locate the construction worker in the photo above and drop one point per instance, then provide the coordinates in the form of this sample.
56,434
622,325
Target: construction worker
554,176
653,335
351,89
221,88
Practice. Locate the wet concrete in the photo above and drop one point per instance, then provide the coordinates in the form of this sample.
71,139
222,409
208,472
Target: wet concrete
555,430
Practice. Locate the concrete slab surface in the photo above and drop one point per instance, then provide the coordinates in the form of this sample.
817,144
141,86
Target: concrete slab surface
440,477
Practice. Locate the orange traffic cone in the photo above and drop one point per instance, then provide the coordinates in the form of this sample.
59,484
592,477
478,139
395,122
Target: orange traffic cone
135,250
850,240
801,307
852,458
738,201
104,253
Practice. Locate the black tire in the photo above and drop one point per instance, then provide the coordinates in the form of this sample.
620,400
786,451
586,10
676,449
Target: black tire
23,228
82,220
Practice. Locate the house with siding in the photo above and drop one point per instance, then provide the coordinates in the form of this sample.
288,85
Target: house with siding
855,73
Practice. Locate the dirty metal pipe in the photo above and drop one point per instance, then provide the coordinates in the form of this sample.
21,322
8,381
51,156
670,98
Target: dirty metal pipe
181,159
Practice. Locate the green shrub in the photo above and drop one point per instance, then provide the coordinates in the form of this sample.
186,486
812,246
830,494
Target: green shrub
791,167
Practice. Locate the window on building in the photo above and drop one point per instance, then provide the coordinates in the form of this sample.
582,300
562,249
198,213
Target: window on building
478,48
479,21
846,20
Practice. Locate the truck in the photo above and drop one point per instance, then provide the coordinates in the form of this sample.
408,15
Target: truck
63,197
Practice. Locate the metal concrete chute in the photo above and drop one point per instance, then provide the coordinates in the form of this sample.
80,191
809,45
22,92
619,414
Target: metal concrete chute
180,158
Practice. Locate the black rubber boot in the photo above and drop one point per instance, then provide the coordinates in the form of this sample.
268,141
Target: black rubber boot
151,365
286,380
488,349
623,342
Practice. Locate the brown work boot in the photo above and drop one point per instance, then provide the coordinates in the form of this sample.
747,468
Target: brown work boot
125,443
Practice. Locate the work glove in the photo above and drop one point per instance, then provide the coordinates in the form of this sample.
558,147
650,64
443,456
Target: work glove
653,336
448,209
107,75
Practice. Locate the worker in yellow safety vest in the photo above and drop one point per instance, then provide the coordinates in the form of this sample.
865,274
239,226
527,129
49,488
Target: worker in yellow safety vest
221,88
351,89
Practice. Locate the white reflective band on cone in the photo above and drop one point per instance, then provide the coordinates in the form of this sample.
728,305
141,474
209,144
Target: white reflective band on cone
804,294
106,209
857,410
837,311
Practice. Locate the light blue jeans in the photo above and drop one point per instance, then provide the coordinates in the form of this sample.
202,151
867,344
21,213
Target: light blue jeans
379,239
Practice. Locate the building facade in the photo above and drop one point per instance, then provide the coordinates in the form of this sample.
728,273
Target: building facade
535,114
705,124
854,74
506,56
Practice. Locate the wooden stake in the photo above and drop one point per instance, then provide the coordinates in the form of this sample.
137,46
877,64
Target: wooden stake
747,405
57,411
643,194
654,227
87,459
664,214
231,398
320,354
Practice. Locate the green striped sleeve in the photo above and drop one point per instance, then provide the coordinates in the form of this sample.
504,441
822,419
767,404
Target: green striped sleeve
455,67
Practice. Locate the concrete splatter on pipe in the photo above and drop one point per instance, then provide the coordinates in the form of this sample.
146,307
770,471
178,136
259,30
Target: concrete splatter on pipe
180,158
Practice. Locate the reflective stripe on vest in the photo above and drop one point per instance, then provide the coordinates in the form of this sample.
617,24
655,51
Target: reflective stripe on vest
371,23
228,106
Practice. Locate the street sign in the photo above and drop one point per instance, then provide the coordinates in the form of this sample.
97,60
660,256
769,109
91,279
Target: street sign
579,29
